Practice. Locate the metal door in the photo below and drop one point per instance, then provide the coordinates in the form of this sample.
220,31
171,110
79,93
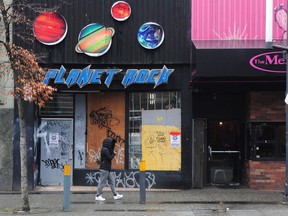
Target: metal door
56,149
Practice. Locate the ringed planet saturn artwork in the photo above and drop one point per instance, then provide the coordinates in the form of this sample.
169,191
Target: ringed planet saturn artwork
50,28
94,40
150,35
120,10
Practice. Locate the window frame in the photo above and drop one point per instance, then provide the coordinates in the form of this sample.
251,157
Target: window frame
146,101
256,143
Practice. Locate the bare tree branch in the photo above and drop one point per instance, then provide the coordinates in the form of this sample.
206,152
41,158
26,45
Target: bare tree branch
22,65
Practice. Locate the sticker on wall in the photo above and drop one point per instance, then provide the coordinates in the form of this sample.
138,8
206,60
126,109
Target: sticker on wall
120,10
94,40
54,140
50,28
150,35
175,139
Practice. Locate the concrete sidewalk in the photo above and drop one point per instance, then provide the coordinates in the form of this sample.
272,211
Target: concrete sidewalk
207,201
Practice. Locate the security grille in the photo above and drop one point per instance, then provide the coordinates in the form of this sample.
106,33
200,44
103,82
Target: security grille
139,101
60,106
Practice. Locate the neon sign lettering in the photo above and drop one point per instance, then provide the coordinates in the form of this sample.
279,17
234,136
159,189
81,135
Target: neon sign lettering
83,77
269,62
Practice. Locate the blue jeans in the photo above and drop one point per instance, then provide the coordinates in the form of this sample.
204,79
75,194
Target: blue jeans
104,176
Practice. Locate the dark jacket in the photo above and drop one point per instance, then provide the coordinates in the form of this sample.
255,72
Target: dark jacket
107,153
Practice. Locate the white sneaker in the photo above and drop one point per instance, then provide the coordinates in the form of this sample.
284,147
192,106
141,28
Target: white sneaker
118,196
99,198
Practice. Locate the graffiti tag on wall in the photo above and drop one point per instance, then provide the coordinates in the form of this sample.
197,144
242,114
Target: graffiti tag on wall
104,119
123,179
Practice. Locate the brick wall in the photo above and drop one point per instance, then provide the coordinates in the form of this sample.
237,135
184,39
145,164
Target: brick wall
266,175
267,106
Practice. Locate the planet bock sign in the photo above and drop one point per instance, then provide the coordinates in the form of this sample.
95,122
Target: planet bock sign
83,77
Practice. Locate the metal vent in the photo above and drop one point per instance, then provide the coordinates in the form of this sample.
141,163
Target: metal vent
60,106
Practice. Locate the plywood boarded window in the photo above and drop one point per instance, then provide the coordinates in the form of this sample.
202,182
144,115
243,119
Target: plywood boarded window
155,130
105,118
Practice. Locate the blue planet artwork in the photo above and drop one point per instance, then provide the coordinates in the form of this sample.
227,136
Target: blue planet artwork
150,35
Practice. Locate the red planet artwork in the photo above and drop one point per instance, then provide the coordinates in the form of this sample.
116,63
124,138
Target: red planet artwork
50,28
120,10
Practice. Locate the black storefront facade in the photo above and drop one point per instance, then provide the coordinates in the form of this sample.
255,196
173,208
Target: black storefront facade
238,114
148,115
217,118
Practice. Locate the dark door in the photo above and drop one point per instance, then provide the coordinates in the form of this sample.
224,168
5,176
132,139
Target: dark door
198,154
224,152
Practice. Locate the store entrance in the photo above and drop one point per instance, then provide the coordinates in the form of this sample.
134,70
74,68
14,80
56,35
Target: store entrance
224,152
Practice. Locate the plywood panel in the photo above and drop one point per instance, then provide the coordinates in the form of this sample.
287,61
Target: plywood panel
105,118
161,139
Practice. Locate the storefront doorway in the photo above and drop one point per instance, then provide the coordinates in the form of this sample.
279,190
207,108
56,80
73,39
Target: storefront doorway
56,149
224,140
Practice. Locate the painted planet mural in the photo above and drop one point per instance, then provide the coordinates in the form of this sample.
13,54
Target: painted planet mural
120,10
94,40
150,35
50,28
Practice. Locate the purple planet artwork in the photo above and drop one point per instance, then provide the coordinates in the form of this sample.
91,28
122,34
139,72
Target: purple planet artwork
94,40
150,35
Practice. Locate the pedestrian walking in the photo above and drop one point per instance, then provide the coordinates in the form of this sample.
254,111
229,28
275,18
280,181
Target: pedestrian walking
107,155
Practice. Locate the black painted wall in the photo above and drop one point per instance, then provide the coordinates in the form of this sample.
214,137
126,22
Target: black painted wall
219,105
172,15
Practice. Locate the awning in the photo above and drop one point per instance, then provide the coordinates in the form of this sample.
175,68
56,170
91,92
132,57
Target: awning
242,58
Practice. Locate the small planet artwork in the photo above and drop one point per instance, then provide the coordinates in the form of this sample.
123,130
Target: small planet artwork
120,10
150,35
94,40
50,28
